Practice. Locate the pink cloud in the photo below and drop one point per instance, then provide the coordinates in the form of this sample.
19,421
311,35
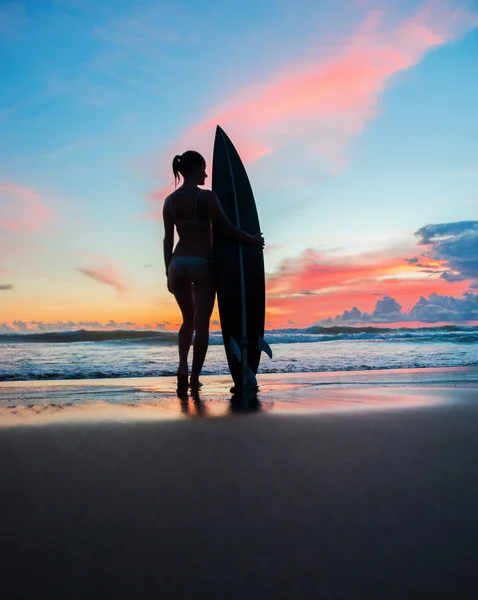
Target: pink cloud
21,209
103,270
323,101
328,98
314,286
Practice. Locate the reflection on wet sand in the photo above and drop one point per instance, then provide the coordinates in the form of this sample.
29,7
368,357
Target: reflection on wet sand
197,406
42,403
101,410
193,406
247,404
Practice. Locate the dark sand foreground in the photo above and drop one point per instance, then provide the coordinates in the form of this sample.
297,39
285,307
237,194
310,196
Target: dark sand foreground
369,503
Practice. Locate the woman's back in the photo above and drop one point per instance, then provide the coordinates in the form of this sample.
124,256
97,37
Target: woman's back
192,218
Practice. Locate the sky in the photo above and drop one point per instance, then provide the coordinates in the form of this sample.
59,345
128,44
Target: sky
356,121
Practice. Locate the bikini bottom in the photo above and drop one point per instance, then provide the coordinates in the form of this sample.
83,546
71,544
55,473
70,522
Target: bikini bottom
185,265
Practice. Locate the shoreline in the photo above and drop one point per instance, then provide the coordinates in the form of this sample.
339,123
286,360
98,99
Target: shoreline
393,375
154,399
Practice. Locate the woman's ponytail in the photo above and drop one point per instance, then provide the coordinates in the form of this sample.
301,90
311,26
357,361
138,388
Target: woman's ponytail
176,168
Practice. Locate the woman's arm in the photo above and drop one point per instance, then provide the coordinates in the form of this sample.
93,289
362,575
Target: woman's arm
220,220
168,240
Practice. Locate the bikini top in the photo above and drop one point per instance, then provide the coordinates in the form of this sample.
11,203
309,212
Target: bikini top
194,221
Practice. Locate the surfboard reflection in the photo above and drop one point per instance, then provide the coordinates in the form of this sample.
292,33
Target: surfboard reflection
244,403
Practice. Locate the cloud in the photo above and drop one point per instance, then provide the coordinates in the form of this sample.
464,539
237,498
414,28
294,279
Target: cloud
315,285
317,273
387,306
452,278
386,310
107,276
453,247
324,103
104,271
434,309
22,210
446,308
6,287
318,104
18,326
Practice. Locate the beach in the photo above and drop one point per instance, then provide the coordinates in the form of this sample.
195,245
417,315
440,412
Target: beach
322,489
279,195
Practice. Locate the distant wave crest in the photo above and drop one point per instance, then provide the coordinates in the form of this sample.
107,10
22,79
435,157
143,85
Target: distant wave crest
83,335
447,333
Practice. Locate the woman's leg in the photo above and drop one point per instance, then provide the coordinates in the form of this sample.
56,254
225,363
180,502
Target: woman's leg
182,291
204,291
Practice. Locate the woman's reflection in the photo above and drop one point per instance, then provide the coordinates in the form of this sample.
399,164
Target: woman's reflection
195,408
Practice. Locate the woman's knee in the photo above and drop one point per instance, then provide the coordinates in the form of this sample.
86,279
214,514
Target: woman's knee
201,326
188,321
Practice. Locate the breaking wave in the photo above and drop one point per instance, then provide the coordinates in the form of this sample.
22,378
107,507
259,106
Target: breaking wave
447,333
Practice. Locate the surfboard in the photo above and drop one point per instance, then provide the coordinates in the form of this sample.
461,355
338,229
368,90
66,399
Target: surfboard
239,268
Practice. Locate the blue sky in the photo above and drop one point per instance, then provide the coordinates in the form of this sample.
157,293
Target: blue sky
356,121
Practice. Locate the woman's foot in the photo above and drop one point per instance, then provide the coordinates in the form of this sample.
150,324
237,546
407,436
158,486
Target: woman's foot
195,385
183,382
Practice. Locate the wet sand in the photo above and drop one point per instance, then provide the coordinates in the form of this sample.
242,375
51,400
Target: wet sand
153,398
363,493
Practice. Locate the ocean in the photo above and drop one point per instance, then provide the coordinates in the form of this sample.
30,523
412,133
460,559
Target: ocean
124,354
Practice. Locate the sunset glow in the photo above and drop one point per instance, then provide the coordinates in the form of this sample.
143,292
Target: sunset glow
360,144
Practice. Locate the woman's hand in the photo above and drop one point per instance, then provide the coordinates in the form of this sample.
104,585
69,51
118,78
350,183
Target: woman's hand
258,240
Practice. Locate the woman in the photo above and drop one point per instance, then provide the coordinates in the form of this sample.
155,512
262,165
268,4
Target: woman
190,269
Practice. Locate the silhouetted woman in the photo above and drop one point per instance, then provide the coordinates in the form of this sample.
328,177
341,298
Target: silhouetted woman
190,268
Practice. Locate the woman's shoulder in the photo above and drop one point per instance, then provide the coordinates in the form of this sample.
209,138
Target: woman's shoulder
179,191
207,194
204,194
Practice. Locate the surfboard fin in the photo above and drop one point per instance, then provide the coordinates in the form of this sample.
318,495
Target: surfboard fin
264,347
251,378
234,349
